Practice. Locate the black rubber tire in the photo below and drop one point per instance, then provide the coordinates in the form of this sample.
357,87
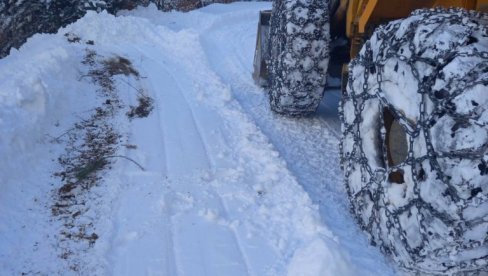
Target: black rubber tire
430,72
299,42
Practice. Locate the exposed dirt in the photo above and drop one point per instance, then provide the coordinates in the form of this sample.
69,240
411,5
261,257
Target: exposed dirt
91,146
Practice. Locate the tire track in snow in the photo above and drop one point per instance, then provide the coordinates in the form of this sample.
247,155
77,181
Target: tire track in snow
170,265
182,138
175,87
143,238
220,201
236,239
204,143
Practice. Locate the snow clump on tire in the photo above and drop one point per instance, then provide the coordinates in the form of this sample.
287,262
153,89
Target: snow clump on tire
424,81
299,47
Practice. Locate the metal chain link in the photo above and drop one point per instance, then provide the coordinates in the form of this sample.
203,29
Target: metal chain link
285,61
373,179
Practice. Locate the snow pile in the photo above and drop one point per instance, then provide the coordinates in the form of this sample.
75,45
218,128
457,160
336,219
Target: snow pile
36,107
27,99
21,19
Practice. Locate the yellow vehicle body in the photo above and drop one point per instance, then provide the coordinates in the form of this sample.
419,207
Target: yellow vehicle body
362,16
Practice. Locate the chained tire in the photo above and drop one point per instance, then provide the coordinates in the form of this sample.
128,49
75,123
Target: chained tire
415,139
299,55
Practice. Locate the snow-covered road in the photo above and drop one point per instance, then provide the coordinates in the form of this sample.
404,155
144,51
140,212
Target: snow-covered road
228,188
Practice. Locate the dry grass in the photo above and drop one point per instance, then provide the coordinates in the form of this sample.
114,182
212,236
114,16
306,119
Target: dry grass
119,66
103,70
91,145
143,109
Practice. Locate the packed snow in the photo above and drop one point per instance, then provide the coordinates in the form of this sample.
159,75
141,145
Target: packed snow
206,182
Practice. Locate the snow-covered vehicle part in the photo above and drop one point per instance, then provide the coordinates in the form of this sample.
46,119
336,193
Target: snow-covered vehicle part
415,140
299,55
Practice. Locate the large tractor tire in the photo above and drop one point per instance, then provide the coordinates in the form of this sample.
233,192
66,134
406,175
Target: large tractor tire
415,141
299,55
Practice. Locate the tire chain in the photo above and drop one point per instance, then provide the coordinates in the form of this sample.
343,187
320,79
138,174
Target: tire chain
304,93
374,187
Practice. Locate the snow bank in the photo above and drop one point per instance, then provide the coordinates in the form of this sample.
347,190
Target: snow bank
39,92
27,100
